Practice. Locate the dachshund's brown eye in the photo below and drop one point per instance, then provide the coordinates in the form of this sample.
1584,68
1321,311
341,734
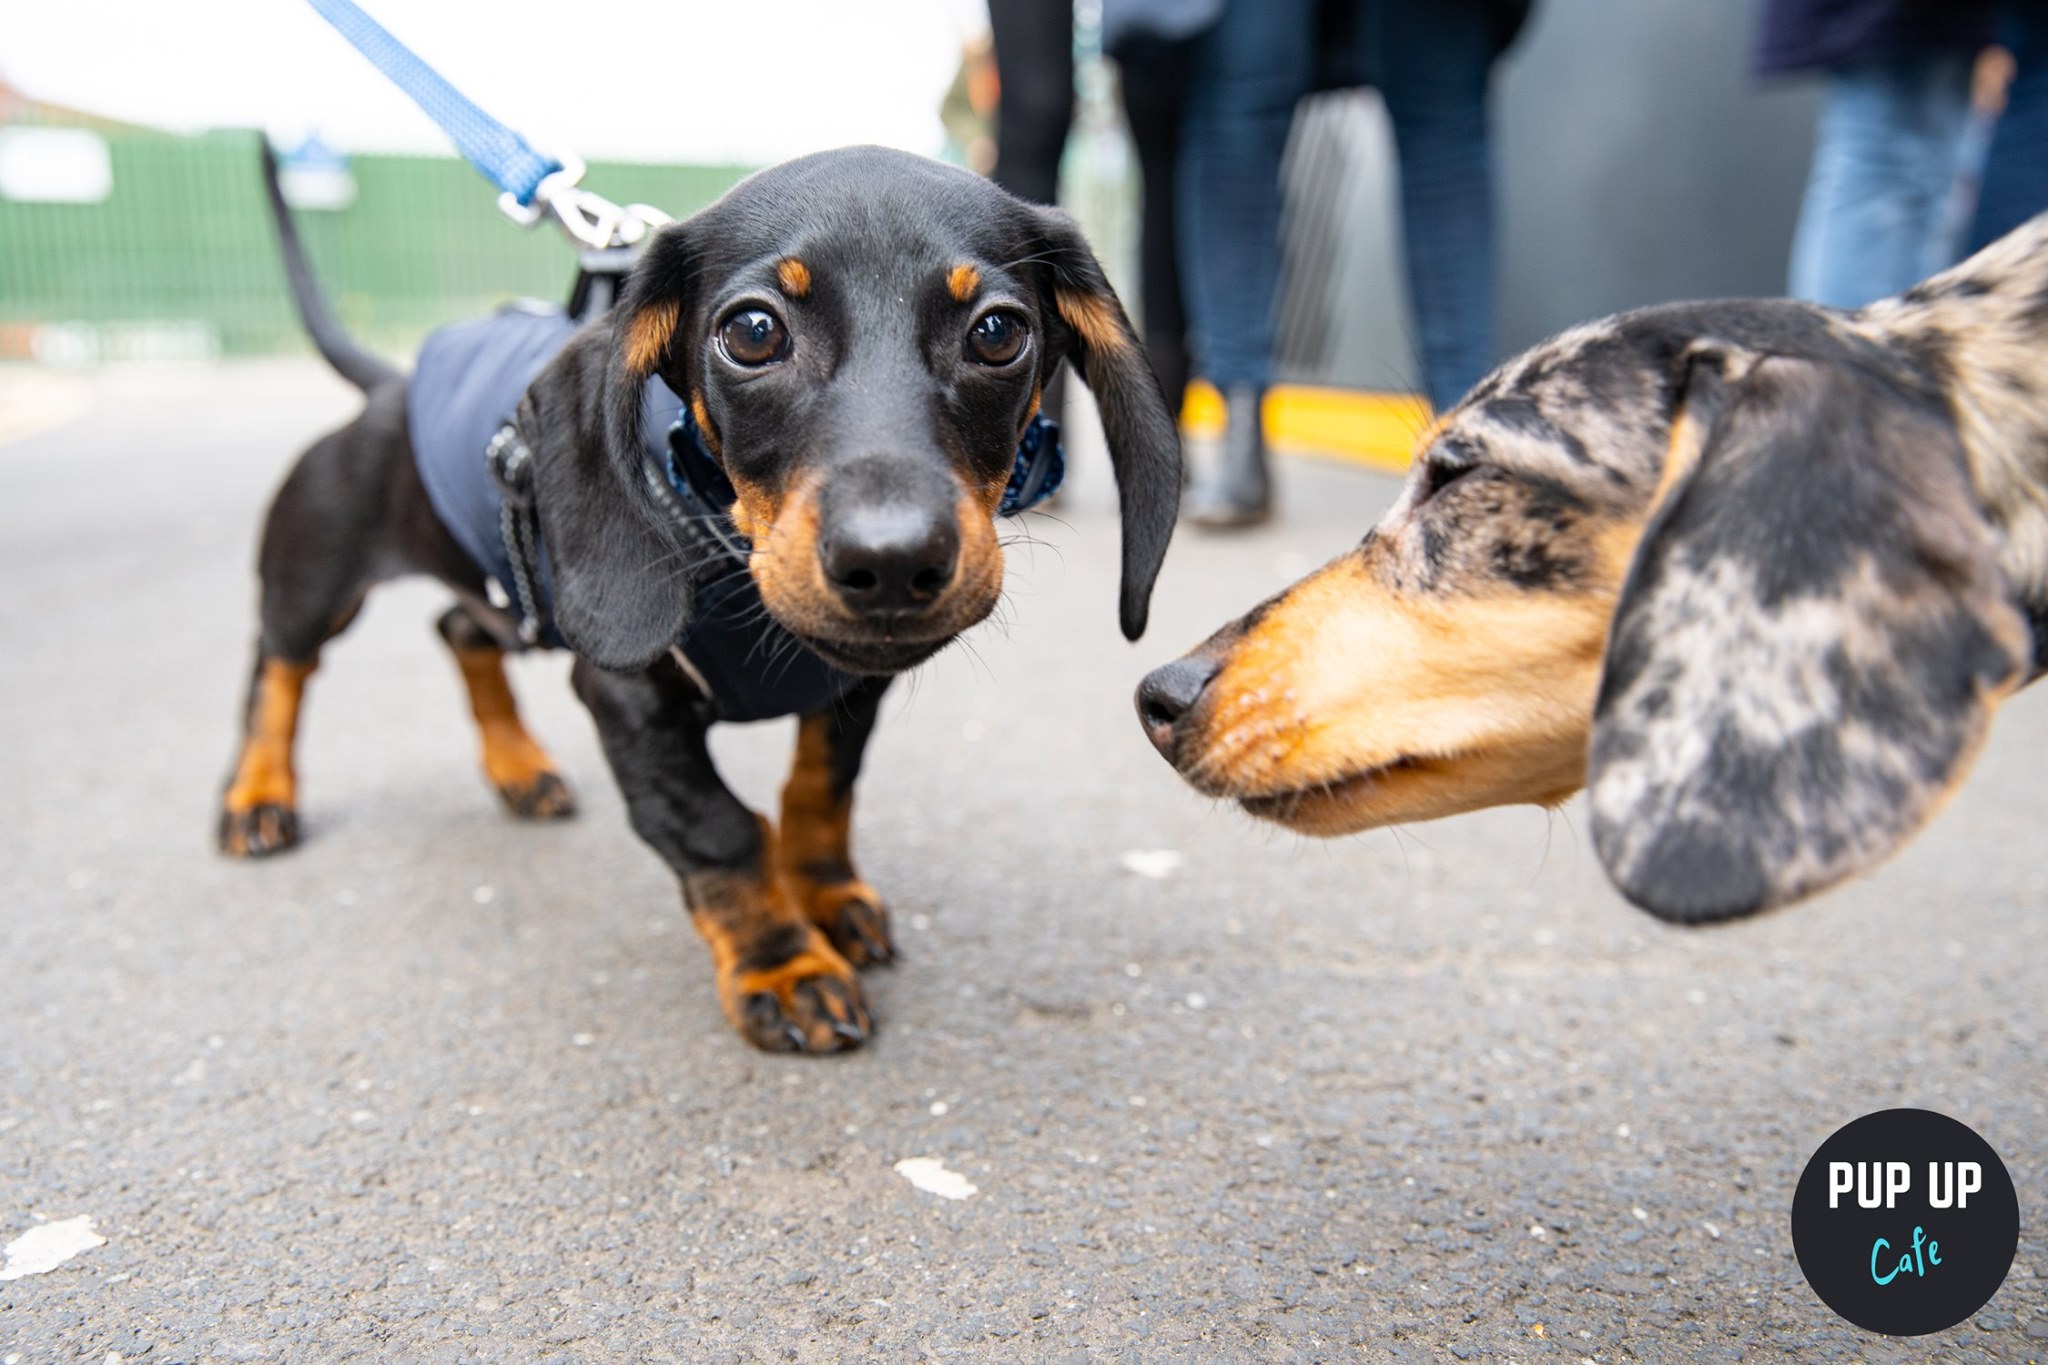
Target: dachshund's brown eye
754,337
996,338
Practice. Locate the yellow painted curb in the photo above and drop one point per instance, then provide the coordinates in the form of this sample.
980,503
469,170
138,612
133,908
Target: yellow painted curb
1377,430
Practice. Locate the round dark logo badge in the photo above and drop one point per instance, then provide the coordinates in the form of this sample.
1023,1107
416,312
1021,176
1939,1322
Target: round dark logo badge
1905,1222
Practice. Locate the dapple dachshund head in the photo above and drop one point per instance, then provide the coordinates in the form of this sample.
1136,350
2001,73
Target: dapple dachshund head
863,337
1755,574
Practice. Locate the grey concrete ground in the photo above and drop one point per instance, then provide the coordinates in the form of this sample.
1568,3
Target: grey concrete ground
440,1087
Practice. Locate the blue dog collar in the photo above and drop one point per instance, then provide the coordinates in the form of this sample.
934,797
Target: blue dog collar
693,471
1040,466
696,476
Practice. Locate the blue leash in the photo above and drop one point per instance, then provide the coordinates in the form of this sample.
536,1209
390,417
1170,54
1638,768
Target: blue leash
501,154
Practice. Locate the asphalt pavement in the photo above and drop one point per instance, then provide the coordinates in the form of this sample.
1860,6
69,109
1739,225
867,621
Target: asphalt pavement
443,1087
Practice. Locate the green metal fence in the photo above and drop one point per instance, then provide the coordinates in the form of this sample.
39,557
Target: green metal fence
182,247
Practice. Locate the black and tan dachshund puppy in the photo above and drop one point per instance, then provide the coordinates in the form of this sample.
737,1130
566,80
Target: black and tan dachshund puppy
861,338
1754,573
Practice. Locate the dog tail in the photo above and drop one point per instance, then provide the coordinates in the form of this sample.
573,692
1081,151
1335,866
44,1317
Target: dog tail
349,360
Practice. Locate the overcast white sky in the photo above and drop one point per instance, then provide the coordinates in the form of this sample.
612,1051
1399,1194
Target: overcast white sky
744,81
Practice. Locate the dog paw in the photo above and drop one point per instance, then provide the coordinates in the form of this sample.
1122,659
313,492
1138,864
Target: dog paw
811,1003
266,828
542,796
852,916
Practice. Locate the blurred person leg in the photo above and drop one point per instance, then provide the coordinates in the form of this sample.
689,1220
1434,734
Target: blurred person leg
1034,42
1153,78
1887,152
1431,60
1990,74
2015,185
1246,75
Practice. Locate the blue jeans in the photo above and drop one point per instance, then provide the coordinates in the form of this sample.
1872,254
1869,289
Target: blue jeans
1884,164
1430,60
1245,76
2016,171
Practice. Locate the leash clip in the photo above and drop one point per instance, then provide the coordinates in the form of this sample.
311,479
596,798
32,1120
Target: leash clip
590,219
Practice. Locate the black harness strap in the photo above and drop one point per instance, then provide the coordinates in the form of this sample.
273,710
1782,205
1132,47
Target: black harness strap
511,464
682,482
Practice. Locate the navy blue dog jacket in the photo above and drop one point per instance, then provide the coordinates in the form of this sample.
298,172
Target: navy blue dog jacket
466,386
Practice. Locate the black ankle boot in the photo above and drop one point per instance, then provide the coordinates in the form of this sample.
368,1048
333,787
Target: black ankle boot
1237,491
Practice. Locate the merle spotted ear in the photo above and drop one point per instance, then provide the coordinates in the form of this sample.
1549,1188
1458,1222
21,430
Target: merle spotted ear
1088,326
622,591
1809,644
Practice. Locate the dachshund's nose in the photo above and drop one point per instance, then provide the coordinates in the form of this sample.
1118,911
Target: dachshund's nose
1170,692
889,558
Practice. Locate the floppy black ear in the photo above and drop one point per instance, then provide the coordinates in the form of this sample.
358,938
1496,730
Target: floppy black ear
1144,439
1809,644
622,591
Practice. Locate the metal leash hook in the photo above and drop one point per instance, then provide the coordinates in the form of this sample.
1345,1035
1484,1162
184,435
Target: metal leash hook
590,219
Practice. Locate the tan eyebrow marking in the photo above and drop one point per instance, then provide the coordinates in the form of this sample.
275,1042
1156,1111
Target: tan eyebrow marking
795,277
962,282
